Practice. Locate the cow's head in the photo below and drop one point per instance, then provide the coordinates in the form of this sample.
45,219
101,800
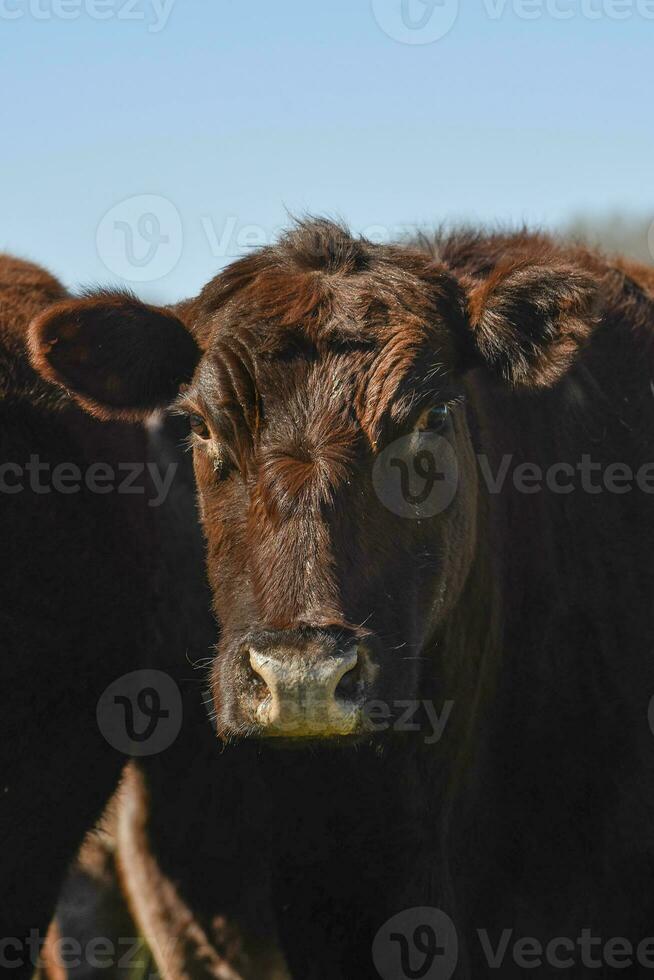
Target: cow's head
325,381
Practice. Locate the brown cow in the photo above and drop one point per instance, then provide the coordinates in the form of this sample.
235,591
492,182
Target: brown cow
425,477
80,565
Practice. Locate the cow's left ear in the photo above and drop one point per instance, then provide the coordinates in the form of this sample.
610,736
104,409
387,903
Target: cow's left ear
118,357
529,320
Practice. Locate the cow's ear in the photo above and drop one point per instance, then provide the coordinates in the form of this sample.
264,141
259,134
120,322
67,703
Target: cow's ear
118,357
528,321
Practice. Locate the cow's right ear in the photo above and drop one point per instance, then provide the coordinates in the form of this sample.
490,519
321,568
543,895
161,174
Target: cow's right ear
118,357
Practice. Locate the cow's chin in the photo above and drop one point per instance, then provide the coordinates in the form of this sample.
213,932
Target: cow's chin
313,743
335,724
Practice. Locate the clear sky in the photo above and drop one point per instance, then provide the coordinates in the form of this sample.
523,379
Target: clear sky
151,141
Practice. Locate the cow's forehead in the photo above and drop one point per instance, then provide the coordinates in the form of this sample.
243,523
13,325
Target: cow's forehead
279,378
292,391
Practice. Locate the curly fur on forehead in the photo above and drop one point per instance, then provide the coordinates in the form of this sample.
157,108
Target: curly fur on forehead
322,285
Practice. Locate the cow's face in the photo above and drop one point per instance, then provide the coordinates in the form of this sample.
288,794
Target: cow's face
320,469
336,474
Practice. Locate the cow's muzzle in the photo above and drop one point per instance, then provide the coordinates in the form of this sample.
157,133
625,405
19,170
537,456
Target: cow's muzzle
309,696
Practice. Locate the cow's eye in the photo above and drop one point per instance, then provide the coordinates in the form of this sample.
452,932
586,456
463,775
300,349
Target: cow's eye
199,426
434,418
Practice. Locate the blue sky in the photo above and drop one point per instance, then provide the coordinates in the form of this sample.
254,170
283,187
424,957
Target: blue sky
218,118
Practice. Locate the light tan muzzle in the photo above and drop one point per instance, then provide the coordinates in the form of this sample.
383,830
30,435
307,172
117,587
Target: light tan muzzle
302,699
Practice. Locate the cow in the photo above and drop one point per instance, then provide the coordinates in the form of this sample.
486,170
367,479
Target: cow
424,474
79,607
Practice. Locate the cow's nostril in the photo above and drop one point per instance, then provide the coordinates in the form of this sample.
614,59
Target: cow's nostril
350,683
257,682
256,676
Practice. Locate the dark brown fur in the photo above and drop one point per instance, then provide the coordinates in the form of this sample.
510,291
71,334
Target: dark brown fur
82,577
71,611
533,614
